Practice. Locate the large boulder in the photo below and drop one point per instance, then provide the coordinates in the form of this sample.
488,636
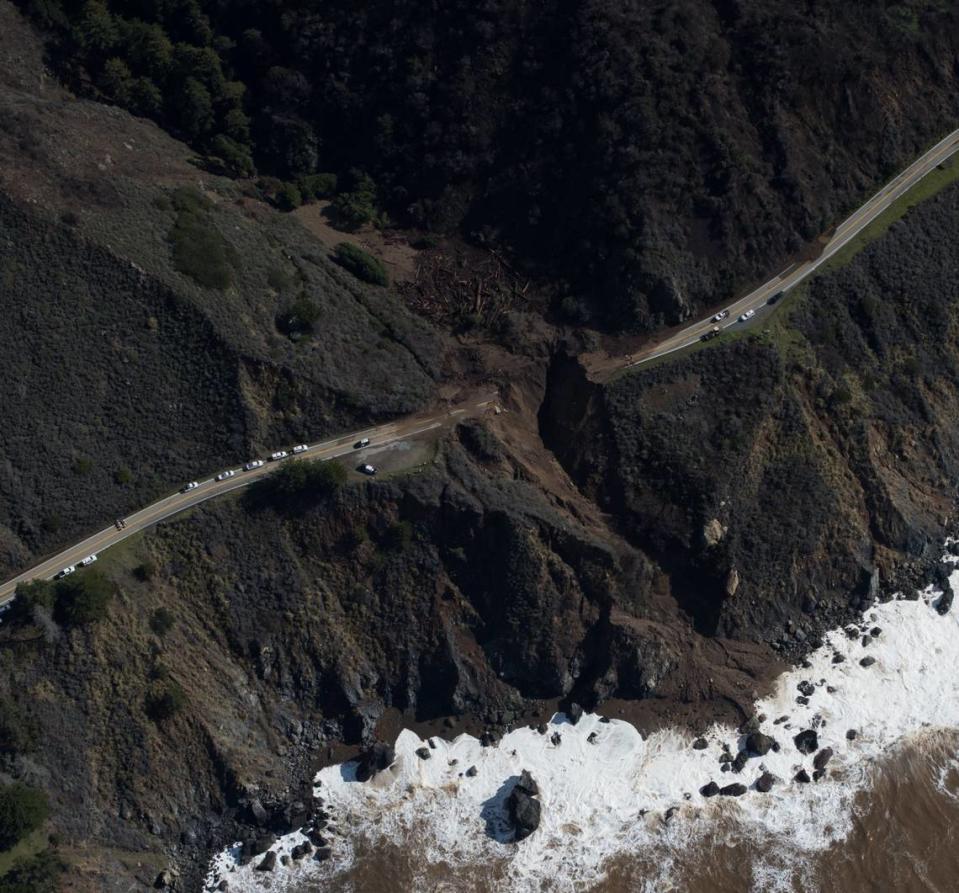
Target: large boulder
806,741
523,808
268,863
733,790
374,759
822,758
758,744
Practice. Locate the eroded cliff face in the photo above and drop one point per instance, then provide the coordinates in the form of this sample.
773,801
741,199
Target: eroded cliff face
780,478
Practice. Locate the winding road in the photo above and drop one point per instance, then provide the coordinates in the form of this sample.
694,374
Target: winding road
384,435
344,445
795,273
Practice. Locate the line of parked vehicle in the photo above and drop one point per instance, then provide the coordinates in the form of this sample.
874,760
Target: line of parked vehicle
745,317
222,476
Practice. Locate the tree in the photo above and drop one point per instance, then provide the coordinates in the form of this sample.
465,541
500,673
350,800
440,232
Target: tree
83,598
18,733
116,80
165,701
96,30
356,207
161,621
22,810
288,198
145,98
30,596
194,108
147,48
37,874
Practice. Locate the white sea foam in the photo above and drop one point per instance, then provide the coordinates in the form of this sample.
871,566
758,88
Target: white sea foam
607,797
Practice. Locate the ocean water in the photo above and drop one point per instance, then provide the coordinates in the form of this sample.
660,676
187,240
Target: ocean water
622,812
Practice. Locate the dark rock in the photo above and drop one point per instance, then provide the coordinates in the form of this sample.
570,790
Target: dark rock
733,790
258,813
591,738
671,812
301,850
700,744
867,661
541,728
819,773
944,602
526,783
423,753
575,713
765,782
806,741
802,699
268,863
431,743
739,761
487,739
851,734
604,719
223,885
322,853
838,658
831,689
709,790
875,632
806,688
523,808
316,838
471,772
866,641
759,744
725,767
374,759
802,776
556,738
912,595
166,879
725,757
822,758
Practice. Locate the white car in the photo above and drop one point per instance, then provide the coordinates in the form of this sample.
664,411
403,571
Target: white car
86,562
69,569
719,317
749,314
300,448
253,463
280,454
368,469
223,475
191,486
365,442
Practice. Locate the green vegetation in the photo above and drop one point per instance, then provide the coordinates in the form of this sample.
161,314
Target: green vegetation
199,250
299,319
145,570
317,186
22,810
398,536
362,265
162,621
356,207
165,700
30,596
932,184
295,485
38,873
83,598
18,732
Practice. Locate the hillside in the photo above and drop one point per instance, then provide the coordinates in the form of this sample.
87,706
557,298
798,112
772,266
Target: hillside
645,159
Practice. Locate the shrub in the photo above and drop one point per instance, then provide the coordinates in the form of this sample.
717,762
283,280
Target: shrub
22,810
18,733
29,596
199,251
317,186
83,598
299,318
295,483
288,197
161,621
145,570
362,265
398,536
356,207
165,701
123,476
37,874
235,157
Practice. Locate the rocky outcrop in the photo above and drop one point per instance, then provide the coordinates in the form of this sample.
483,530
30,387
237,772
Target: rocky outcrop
758,744
807,741
375,758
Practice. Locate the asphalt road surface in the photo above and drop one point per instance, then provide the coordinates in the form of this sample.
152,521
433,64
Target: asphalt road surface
792,275
207,489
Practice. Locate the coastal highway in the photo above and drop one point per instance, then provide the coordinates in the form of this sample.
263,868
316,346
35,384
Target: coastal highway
380,436
795,273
